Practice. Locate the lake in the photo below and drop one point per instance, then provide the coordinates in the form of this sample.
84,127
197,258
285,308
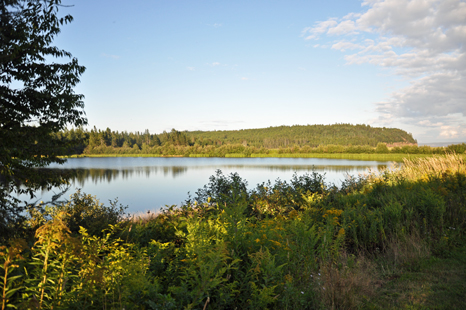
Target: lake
148,183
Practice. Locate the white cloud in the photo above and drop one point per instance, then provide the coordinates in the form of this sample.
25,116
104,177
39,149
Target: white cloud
428,123
245,78
190,68
319,28
215,64
344,27
420,40
345,45
449,132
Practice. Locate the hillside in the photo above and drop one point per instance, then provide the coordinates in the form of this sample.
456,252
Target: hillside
342,138
311,135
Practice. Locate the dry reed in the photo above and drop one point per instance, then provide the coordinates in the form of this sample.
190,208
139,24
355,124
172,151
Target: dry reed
436,165
144,217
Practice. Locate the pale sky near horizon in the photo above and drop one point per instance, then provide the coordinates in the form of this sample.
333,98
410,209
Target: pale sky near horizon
225,65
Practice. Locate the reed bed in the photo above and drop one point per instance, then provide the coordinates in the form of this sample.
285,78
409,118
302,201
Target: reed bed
121,155
199,155
435,165
378,157
236,155
144,217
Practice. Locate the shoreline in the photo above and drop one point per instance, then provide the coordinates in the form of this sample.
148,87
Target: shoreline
377,157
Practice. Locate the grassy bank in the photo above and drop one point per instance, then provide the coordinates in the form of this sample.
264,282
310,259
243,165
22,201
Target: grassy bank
377,157
119,155
386,241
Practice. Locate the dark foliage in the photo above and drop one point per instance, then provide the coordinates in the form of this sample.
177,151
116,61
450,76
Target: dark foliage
222,189
85,211
36,100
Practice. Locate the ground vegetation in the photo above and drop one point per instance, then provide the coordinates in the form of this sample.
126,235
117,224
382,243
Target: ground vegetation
382,241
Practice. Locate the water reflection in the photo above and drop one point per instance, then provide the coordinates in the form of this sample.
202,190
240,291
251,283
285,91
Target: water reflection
96,176
108,175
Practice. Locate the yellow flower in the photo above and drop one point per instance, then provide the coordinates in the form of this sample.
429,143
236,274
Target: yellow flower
288,278
258,240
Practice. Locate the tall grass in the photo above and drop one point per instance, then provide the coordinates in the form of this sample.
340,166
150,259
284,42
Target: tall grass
378,157
436,165
199,155
120,155
238,155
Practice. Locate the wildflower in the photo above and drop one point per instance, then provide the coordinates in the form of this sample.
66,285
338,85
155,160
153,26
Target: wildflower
258,240
288,278
302,292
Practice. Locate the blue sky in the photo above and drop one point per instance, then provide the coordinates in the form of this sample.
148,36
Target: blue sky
221,65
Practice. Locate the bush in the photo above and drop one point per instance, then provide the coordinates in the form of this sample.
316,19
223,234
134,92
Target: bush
82,210
221,189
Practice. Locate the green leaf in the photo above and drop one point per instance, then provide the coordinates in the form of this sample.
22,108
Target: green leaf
12,291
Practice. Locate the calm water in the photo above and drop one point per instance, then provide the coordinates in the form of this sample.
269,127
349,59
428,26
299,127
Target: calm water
150,183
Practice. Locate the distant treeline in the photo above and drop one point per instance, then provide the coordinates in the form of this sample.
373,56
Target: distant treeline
309,135
338,138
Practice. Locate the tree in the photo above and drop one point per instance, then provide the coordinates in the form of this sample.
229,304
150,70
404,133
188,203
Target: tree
36,100
382,148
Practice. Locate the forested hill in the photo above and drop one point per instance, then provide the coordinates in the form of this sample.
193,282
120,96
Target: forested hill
311,135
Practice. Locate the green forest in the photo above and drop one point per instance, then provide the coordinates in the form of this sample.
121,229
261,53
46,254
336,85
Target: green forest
310,135
310,139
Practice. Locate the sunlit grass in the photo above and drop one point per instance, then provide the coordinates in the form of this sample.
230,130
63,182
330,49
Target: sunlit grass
199,155
436,165
236,155
119,155
375,157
